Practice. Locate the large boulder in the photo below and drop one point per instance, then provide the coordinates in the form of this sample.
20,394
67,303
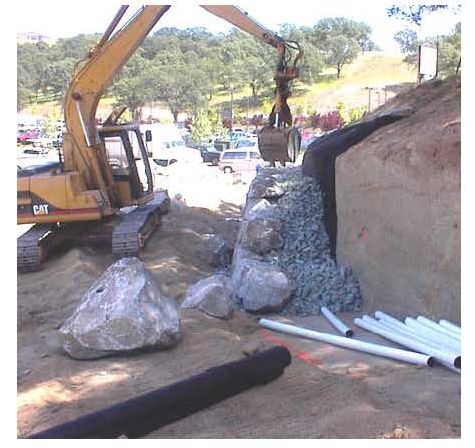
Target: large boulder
215,251
212,295
262,235
258,208
261,286
123,311
266,186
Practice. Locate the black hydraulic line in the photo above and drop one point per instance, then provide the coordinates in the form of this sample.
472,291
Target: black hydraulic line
141,415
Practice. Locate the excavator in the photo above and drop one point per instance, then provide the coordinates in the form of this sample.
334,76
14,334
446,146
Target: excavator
101,190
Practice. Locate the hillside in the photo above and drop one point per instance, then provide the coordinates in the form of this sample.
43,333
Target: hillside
369,70
372,69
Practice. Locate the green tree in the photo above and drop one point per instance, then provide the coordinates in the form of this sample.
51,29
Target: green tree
183,87
206,124
407,40
340,40
340,51
133,88
312,63
450,52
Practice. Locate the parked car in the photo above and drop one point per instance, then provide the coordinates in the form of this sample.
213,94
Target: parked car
242,159
36,151
237,134
24,135
246,142
210,154
42,140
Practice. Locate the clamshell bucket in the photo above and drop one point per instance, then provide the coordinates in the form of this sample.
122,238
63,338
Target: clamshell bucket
279,144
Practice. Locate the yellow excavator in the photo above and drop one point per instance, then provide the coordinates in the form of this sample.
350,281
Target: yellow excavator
102,188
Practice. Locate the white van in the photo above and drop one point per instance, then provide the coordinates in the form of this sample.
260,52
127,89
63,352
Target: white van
242,159
166,145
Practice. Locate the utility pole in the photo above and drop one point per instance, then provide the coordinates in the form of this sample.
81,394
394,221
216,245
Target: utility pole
231,88
247,115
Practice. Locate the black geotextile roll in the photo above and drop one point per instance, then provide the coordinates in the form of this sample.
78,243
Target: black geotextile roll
141,415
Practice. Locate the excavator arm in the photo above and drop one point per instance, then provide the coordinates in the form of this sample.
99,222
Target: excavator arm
285,73
83,150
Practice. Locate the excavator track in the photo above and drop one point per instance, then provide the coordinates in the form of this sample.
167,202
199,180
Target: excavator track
30,249
136,227
128,236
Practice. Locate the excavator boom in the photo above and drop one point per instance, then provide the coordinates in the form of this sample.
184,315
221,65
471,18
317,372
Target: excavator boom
93,184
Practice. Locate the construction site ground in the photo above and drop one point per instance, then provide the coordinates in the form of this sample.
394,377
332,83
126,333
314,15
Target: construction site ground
327,392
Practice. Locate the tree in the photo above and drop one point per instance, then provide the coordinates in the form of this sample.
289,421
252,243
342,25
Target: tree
312,63
450,52
133,88
206,123
57,77
183,87
407,40
413,13
339,51
339,40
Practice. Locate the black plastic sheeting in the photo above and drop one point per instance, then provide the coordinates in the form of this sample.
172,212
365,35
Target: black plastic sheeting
319,162
141,415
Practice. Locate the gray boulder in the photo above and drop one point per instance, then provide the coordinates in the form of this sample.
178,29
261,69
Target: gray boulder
261,286
258,208
262,235
240,261
123,311
215,251
265,186
212,295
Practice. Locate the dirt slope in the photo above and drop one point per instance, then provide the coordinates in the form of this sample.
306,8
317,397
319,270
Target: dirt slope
398,205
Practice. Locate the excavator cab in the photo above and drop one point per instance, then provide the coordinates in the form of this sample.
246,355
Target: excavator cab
128,158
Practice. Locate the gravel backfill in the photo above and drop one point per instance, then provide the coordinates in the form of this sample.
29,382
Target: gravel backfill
305,255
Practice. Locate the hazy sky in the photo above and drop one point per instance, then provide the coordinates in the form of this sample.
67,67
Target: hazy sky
65,19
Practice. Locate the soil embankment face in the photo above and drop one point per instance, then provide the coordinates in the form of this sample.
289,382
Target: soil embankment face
398,206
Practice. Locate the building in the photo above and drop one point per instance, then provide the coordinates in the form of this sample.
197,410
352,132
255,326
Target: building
32,37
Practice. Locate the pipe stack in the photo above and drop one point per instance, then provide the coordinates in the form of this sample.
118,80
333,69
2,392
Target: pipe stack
425,341
441,341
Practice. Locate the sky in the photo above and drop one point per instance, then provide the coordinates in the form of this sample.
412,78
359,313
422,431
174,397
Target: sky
66,19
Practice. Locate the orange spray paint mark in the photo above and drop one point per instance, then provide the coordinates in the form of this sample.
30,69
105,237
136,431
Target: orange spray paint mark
304,356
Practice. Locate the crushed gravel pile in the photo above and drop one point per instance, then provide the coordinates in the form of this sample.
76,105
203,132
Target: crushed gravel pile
305,255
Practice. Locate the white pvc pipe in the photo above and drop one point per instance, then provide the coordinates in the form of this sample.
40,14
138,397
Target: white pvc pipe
407,331
432,334
387,318
352,344
435,326
337,323
404,329
410,342
446,324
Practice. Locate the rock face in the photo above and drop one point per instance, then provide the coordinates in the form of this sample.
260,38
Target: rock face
212,295
261,286
215,251
123,311
398,203
262,235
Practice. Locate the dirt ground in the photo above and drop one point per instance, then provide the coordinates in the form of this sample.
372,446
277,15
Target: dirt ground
327,392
